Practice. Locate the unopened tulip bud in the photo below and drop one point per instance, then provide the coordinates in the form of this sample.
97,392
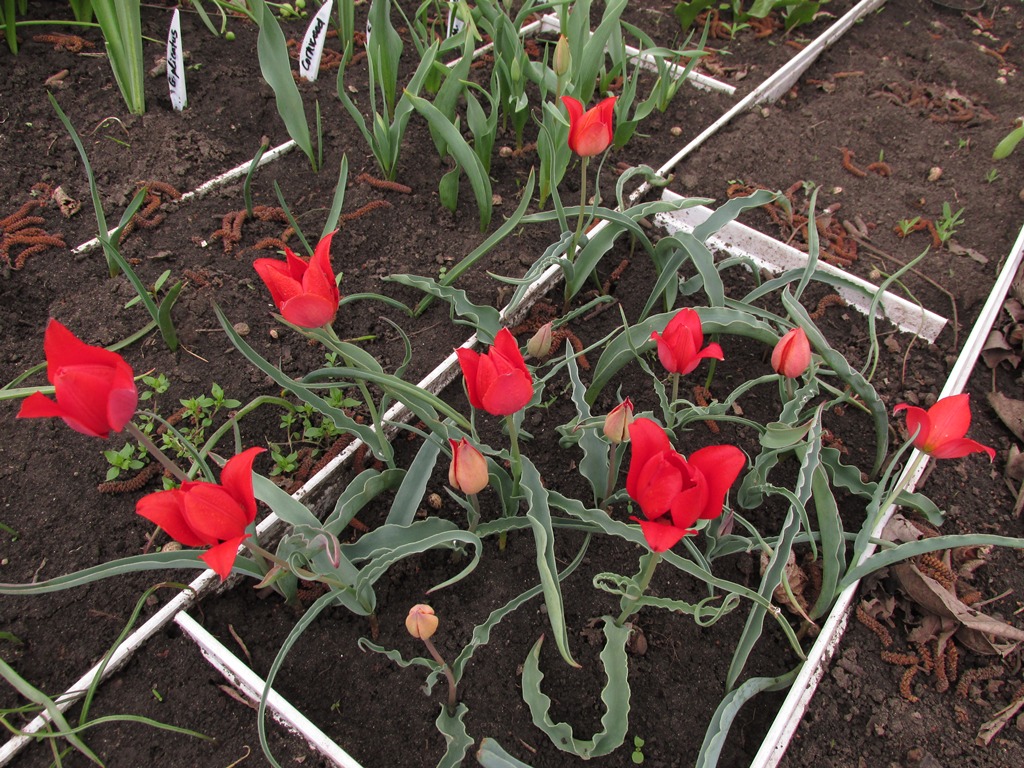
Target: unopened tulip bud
792,355
563,58
616,423
468,470
539,345
421,622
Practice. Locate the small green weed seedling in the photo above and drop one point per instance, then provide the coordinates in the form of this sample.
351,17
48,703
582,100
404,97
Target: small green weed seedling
992,175
947,225
907,225
128,459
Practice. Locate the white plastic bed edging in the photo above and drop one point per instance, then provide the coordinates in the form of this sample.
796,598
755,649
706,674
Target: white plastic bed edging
782,80
771,254
550,23
217,181
792,711
252,686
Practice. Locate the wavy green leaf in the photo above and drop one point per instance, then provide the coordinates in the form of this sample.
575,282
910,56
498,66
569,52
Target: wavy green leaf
615,697
539,515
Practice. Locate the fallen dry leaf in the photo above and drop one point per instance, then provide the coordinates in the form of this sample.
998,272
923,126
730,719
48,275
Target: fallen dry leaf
988,730
1010,411
978,631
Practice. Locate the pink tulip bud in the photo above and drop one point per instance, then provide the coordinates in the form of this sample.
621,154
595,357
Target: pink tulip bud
540,344
421,622
616,423
792,355
468,470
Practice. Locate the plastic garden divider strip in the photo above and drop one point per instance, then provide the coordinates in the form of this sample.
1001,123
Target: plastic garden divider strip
549,23
246,681
769,253
781,80
776,742
206,187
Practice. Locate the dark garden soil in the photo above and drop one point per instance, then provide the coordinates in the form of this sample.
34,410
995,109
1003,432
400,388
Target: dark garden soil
915,86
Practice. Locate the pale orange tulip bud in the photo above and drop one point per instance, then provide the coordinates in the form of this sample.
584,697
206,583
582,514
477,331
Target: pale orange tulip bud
792,355
468,470
616,423
540,344
421,622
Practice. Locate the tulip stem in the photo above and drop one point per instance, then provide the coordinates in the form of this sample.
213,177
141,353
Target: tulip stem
447,673
155,452
905,477
474,516
517,459
646,574
675,392
613,465
517,472
584,162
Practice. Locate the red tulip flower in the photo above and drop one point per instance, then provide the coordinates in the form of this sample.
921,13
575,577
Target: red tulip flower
306,294
203,514
590,132
498,381
468,471
792,355
95,388
672,491
679,348
940,430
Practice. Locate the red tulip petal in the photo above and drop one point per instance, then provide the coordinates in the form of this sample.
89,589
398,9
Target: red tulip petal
720,465
236,479
919,426
646,440
319,278
508,348
221,558
950,418
710,351
469,361
658,484
574,107
309,311
121,405
666,354
508,393
167,509
213,514
278,279
63,349
296,265
575,110
39,406
83,392
661,537
687,320
954,449
592,138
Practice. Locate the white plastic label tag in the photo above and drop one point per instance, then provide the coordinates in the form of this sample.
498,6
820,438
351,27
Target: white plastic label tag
455,22
176,65
313,43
